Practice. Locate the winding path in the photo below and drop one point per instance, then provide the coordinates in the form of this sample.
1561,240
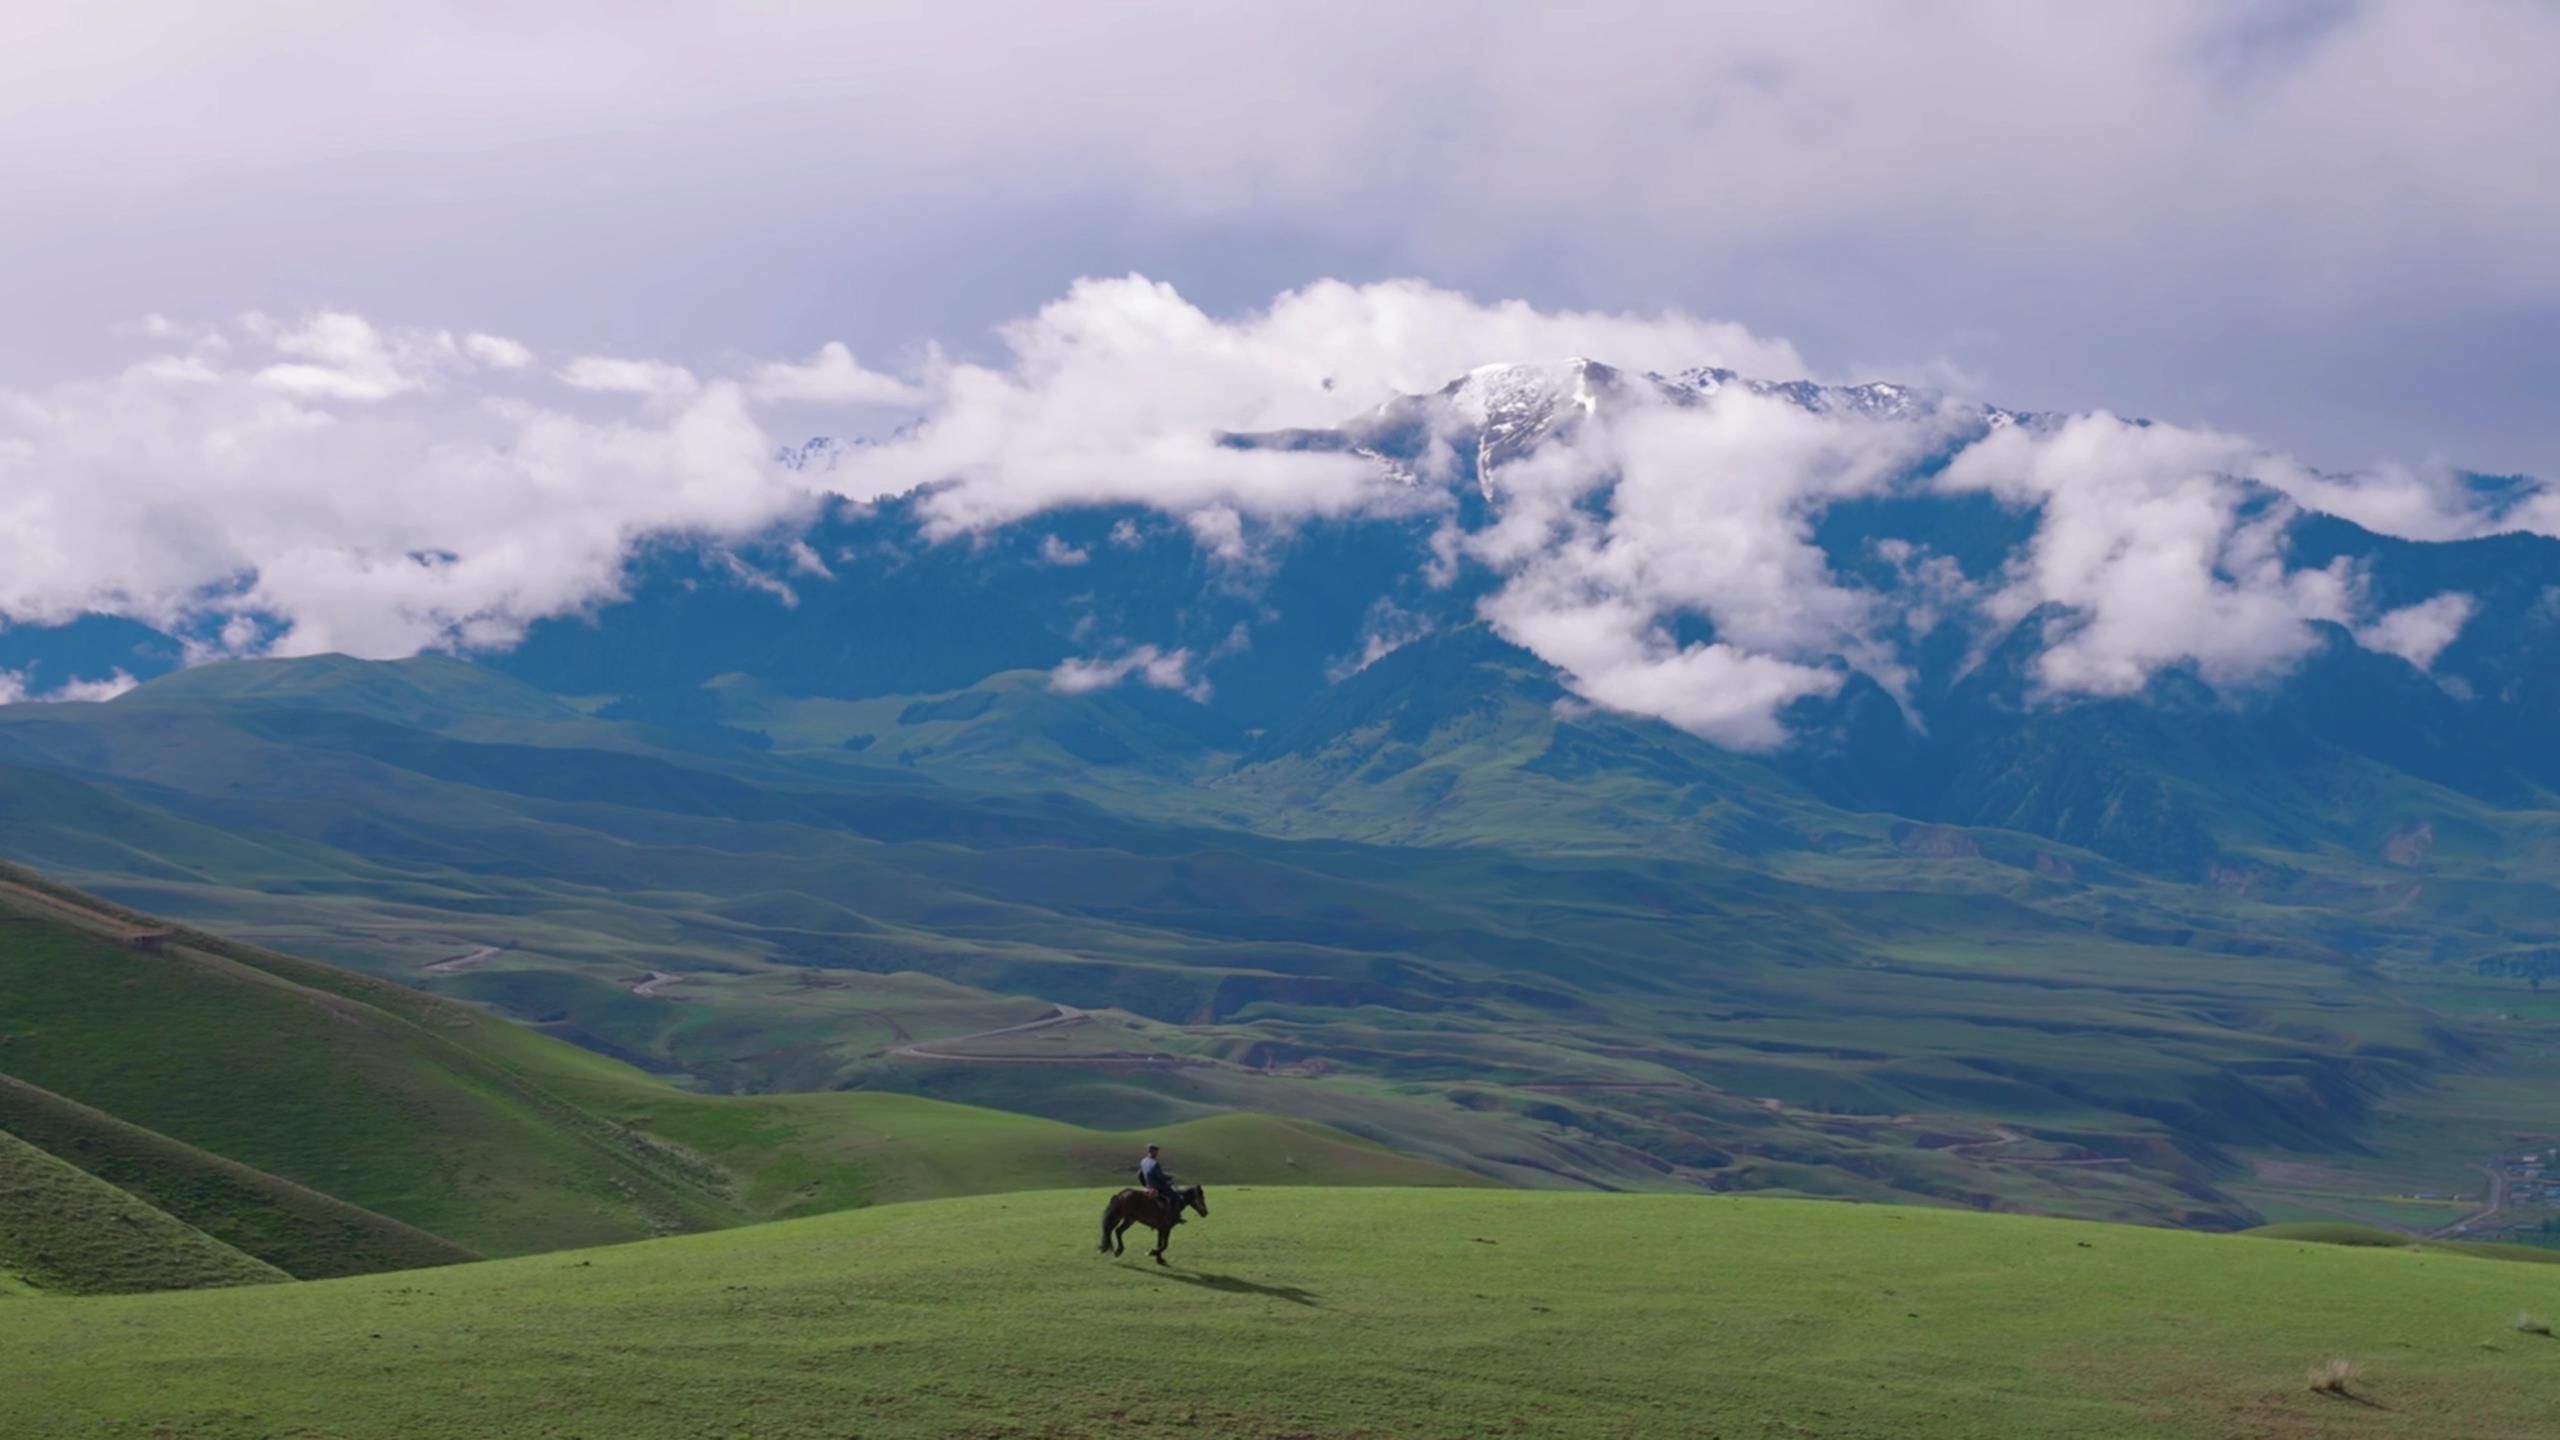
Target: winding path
1058,1015
466,960
2497,1202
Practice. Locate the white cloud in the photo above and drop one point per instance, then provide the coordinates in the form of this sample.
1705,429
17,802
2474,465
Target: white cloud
1117,393
1662,557
1387,628
2319,148
2148,541
14,691
497,351
343,357
1146,664
2418,633
832,377
806,561
612,375
1706,511
186,488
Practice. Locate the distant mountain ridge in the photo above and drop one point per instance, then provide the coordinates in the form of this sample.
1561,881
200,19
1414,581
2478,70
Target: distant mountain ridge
861,602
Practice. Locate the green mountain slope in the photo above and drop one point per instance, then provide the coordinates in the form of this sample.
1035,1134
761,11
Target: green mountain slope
1442,913
240,1054
332,1123
1314,1312
64,1231
294,1228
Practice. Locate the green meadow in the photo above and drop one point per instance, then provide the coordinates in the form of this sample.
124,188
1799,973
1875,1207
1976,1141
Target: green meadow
1325,1312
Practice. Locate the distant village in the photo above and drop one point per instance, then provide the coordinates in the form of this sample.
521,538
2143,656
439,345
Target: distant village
2524,1197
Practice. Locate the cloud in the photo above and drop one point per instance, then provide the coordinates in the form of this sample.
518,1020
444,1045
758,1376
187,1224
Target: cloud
1662,548
2418,633
1118,393
611,375
198,493
497,351
338,356
832,377
1627,129
1387,628
2156,550
2336,211
14,691
1146,664
1707,512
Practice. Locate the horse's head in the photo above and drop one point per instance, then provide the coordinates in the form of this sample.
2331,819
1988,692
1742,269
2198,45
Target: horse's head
1197,1199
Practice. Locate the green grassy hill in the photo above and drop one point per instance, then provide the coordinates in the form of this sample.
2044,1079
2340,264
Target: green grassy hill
294,1228
1318,1312
2343,1233
294,1071
64,1231
330,1123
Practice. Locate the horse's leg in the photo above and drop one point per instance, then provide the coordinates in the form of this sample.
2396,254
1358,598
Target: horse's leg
1119,1245
1164,1237
1106,1229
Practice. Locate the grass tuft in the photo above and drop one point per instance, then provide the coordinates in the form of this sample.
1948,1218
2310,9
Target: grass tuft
2530,1323
2335,1377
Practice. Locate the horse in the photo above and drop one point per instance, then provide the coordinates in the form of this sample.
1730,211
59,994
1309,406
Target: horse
1145,1207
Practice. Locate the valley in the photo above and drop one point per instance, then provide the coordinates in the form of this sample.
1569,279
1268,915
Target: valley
1087,820
1821,1001
279,1117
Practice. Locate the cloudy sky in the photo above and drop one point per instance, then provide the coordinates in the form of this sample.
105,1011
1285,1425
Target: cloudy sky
2328,224
400,322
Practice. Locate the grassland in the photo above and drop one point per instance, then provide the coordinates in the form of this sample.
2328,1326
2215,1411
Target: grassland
329,1123
65,1231
1314,1312
1548,950
184,1038
294,1228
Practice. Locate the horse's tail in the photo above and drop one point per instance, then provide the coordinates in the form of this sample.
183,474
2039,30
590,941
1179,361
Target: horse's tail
1108,1206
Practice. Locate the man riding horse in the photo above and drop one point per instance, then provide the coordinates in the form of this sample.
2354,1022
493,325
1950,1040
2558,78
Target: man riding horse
1152,1175
1158,1205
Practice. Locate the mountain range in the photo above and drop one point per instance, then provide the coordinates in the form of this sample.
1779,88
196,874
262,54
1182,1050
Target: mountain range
1877,862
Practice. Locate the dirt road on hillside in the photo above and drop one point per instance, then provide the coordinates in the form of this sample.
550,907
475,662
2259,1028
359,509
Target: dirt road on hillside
465,960
937,1050
2488,1212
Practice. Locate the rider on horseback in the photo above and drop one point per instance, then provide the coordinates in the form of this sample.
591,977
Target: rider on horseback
1151,1174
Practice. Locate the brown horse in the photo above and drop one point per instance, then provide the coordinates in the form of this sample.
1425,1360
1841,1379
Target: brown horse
1145,1207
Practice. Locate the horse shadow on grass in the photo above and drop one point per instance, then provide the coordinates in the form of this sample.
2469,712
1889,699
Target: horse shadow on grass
1237,1285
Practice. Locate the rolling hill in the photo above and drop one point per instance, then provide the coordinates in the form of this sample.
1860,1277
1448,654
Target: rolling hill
65,1231
291,1118
291,1227
1545,948
1329,1312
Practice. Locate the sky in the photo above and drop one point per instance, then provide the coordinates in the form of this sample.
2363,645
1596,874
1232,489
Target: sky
402,322
2329,225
